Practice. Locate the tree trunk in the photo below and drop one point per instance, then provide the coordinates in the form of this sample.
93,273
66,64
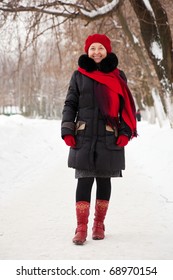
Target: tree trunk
156,35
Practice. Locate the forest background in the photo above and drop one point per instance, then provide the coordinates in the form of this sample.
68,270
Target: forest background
42,40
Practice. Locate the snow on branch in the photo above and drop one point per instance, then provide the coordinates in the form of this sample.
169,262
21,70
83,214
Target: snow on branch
157,50
148,6
135,39
102,10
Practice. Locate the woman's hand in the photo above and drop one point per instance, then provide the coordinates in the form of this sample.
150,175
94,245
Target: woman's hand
122,140
69,140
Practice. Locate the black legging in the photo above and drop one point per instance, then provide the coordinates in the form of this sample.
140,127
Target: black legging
84,187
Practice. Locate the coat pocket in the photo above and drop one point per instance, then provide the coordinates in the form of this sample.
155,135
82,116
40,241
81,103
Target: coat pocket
111,129
80,133
111,138
80,126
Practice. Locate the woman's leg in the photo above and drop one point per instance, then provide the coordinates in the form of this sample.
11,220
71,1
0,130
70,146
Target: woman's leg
83,190
103,191
83,197
103,194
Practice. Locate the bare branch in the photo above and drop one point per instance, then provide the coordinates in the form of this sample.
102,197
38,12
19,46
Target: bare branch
58,8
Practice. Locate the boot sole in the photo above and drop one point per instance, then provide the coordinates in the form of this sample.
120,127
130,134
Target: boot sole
79,242
97,238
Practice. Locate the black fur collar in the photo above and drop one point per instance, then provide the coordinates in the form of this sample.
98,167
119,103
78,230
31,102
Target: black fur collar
108,64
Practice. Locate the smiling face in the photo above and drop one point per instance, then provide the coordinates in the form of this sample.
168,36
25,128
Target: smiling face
97,52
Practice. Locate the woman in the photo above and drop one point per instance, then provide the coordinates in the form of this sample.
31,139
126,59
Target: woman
98,121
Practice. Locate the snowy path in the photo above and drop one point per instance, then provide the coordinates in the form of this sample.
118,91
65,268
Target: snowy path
37,190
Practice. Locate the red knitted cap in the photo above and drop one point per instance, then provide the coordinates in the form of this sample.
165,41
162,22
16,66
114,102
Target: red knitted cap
98,38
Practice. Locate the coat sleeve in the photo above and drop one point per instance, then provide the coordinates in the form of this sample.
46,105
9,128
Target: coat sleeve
70,108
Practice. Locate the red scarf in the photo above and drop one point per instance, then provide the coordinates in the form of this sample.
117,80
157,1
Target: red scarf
114,85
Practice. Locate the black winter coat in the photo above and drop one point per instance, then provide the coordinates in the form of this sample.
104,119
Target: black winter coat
96,147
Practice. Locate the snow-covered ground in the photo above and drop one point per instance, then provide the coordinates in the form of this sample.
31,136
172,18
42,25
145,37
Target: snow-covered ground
37,196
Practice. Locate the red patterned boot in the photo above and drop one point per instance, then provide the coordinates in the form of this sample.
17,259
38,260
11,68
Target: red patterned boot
82,213
100,213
